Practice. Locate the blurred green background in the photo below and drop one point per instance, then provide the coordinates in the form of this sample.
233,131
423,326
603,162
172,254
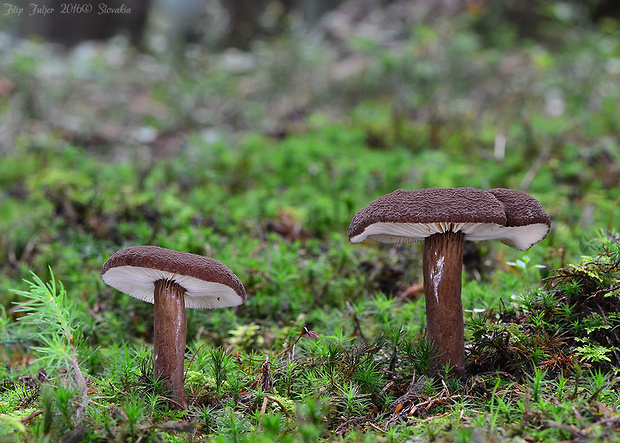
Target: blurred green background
252,132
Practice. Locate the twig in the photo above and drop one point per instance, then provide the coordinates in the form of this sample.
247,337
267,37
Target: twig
596,393
304,331
80,381
605,291
169,400
375,427
357,327
441,398
118,390
342,427
193,357
31,416
571,429
275,400
27,252
578,416
263,408
526,410
426,405
506,374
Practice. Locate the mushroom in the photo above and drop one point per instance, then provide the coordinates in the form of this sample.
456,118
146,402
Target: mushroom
444,218
173,281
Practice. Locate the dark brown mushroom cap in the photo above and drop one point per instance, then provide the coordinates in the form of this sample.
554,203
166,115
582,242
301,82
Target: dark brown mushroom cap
521,209
526,220
407,216
208,283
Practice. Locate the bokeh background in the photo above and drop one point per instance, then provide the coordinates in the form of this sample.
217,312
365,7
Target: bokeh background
252,132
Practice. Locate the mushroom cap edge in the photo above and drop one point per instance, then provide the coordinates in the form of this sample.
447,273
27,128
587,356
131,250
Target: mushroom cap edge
208,283
410,216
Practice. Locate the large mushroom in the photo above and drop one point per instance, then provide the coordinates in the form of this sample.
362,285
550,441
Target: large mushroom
444,218
173,281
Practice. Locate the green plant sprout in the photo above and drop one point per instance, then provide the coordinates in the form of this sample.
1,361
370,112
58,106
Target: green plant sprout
523,264
53,323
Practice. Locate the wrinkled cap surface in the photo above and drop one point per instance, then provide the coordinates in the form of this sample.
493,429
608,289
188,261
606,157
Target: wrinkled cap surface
527,222
208,283
408,216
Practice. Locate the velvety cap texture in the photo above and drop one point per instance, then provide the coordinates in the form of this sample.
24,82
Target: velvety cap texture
527,222
512,217
521,209
208,283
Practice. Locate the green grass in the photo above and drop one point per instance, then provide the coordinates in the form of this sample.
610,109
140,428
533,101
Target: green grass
232,176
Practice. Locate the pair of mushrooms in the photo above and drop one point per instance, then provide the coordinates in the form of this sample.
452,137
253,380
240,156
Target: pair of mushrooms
443,217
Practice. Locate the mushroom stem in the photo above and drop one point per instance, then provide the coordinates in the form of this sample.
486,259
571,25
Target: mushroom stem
169,337
442,268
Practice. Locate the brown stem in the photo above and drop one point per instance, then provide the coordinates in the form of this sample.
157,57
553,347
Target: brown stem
36,414
169,337
442,267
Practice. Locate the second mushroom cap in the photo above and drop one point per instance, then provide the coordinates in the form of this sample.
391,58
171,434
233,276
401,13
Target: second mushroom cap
512,217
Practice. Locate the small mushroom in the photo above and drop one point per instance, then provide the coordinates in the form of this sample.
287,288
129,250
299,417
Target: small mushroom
444,218
173,281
